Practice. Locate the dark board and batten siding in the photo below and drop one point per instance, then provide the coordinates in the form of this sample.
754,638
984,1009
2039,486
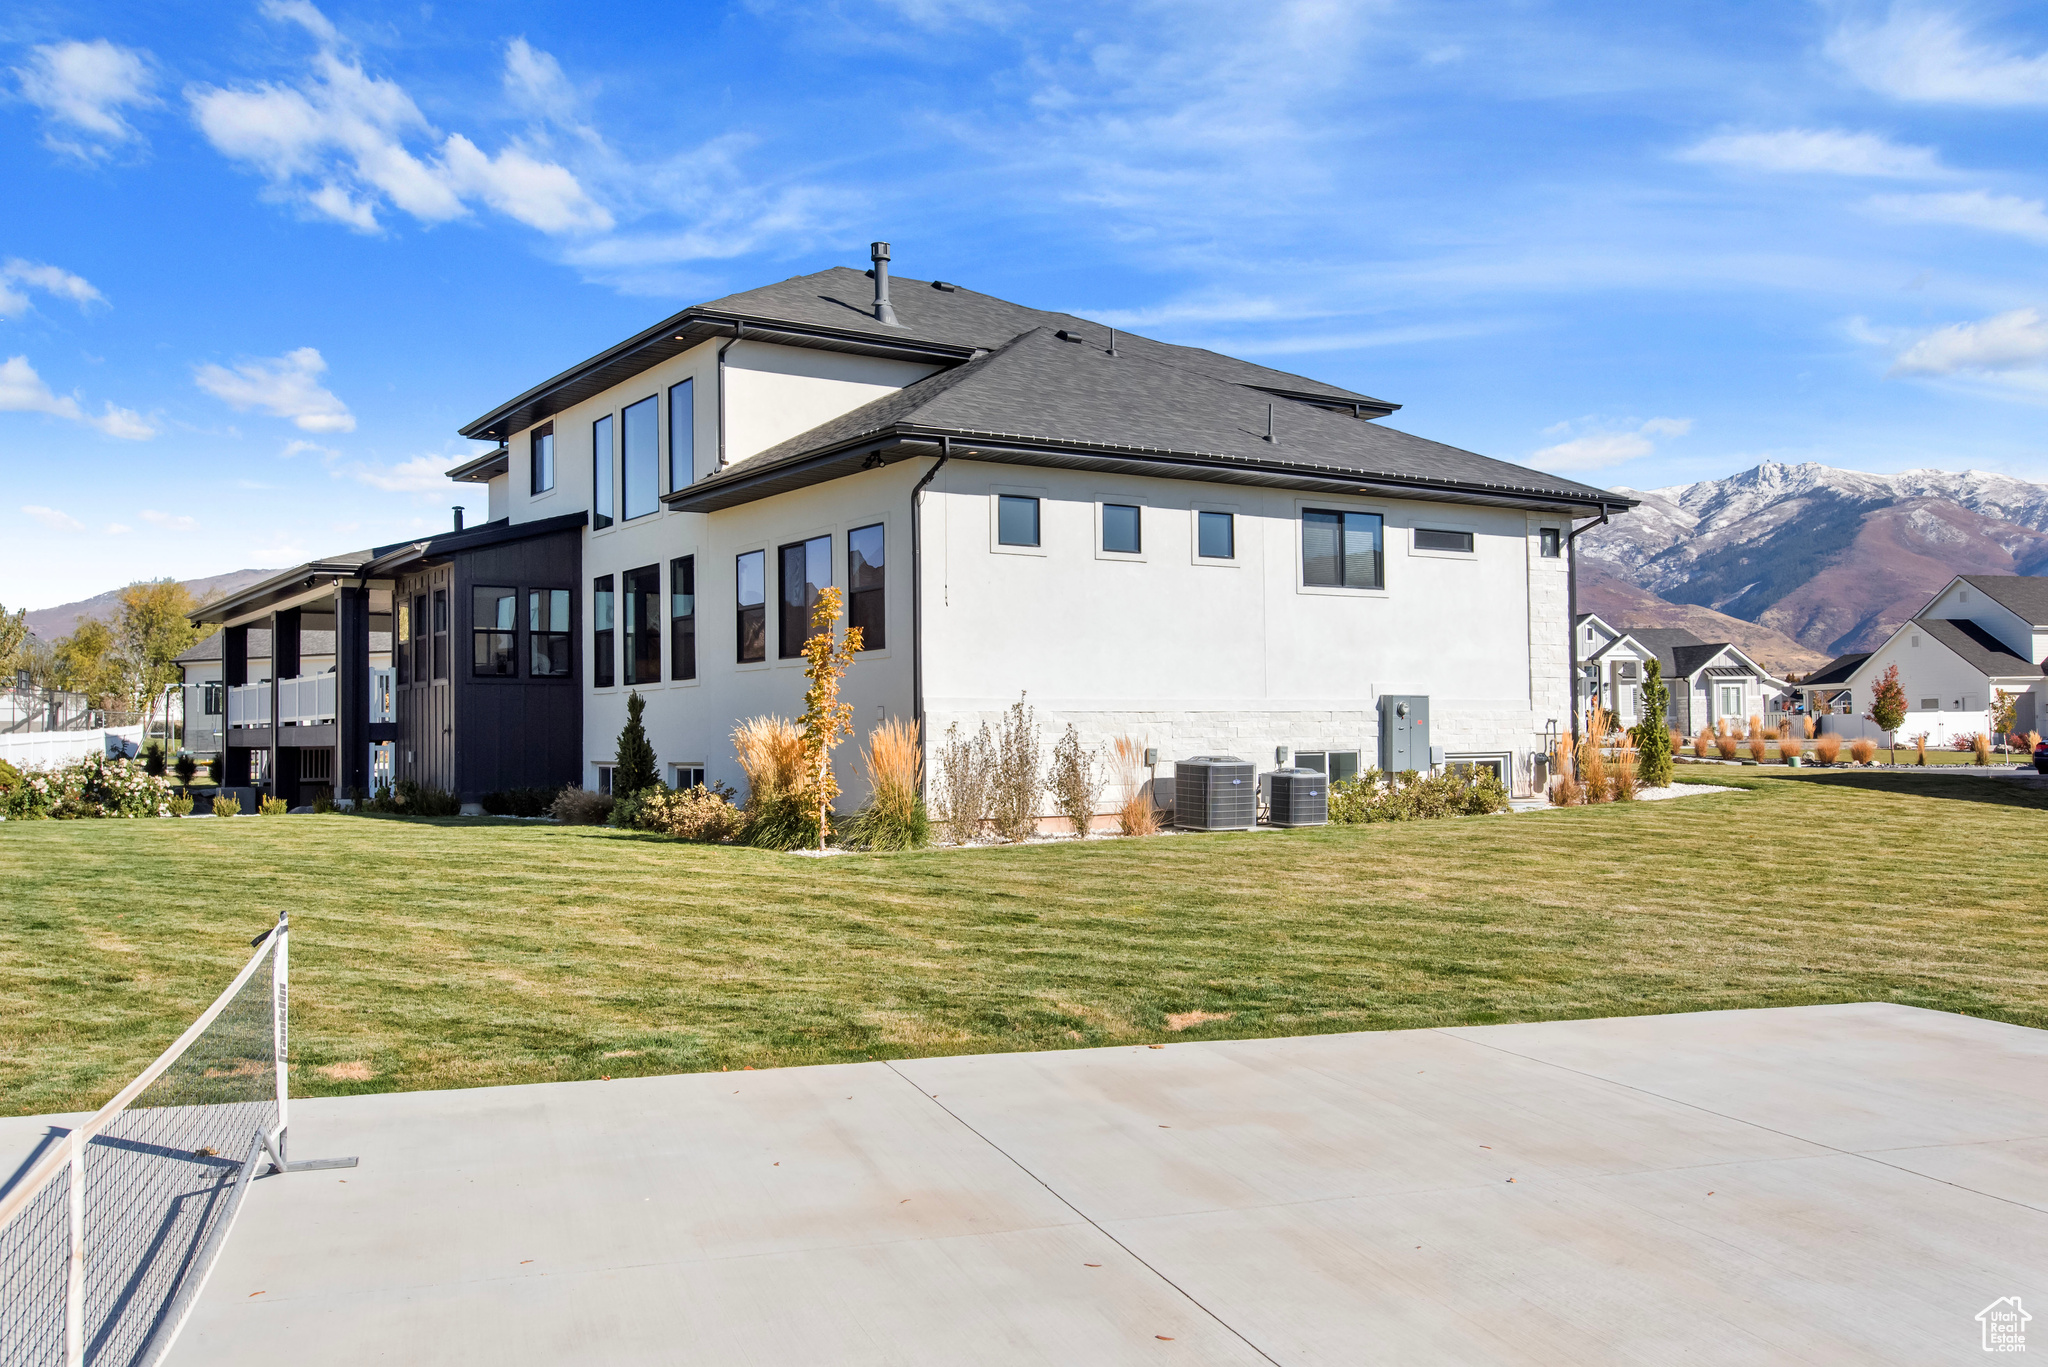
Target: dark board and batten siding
519,732
426,706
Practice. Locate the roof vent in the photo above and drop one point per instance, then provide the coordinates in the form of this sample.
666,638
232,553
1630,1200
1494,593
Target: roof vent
945,285
885,312
458,519
1066,336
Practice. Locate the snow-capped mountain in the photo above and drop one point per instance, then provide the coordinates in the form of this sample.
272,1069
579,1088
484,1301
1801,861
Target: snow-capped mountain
1832,558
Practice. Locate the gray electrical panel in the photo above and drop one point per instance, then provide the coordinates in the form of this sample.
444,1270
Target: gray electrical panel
1404,733
1215,793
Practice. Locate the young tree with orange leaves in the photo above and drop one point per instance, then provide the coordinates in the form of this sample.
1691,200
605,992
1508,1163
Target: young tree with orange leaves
826,719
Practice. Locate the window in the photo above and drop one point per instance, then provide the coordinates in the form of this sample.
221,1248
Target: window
1016,520
420,660
806,573
1549,543
1216,536
682,436
1441,539
683,777
1336,764
682,617
1731,700
1341,550
401,638
640,458
440,634
601,472
602,661
643,625
211,696
750,582
604,779
1930,704
865,563
1472,764
542,459
494,632
547,633
1121,529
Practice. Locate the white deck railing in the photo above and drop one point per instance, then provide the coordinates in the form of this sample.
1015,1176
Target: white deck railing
249,704
305,701
383,695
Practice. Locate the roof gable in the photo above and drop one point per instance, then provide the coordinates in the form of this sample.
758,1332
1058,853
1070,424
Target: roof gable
1977,647
2023,595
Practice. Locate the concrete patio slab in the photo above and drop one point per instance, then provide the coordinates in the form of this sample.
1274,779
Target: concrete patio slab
1816,1185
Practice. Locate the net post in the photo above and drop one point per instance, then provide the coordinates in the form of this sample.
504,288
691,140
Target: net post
74,1279
280,1004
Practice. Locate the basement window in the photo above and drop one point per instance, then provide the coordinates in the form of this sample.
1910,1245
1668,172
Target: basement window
1335,764
683,777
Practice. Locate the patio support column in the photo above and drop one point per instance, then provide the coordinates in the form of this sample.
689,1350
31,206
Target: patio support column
234,672
276,669
351,690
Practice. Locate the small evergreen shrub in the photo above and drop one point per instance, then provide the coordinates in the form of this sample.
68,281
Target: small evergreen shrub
153,762
323,803
1653,736
181,805
230,805
187,768
634,760
272,806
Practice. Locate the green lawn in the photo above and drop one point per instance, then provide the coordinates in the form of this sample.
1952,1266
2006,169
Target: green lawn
466,953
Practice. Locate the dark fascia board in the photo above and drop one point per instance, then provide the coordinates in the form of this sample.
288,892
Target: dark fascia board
391,558
674,336
278,588
484,468
743,486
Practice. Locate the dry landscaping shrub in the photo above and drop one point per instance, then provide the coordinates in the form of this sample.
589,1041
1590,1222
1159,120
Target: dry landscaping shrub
578,807
1756,725
272,806
1983,748
1703,742
1862,749
895,817
1565,790
1920,748
1828,748
1135,815
1792,746
2033,739
1411,796
230,805
1627,769
1075,781
1593,770
1677,740
771,754
181,805
1729,744
966,781
697,813
1018,779
1759,745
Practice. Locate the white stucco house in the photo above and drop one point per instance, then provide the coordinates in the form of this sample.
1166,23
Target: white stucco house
1981,633
1143,539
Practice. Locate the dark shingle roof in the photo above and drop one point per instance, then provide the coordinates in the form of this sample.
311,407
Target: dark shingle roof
1677,650
1982,651
1040,388
1837,670
2025,595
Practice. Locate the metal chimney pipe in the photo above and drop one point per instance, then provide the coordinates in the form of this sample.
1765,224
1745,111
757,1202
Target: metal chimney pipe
458,519
1269,422
885,312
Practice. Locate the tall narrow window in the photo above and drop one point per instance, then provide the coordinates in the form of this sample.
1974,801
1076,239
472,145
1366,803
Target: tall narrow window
640,457
1216,536
865,565
543,459
682,436
421,662
1121,529
601,657
643,625
1549,543
1016,520
1340,550
806,573
751,584
547,633
682,617
601,472
440,634
401,639
494,632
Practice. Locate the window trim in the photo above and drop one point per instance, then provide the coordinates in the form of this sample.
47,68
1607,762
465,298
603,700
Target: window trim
442,642
1236,515
1439,525
534,487
1339,505
997,493
1103,503
803,542
880,652
676,770
1477,758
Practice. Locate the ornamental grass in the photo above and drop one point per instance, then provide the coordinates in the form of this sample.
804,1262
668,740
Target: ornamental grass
1862,749
1759,745
771,755
1728,743
1828,748
1135,813
1702,743
895,817
1791,745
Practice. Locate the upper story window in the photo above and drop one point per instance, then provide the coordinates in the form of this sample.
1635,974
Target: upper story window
441,660
401,638
1549,543
1122,529
1216,536
640,458
750,582
547,633
682,436
542,459
643,625
210,698
866,551
806,573
494,632
682,617
602,660
1341,549
1016,520
421,663
601,472
1442,539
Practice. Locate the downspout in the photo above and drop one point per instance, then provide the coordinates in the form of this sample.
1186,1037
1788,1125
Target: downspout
917,599
739,332
1571,575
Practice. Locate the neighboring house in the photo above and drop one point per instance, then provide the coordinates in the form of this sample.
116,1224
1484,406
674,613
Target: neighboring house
1710,681
1979,634
1612,668
1141,539
1826,691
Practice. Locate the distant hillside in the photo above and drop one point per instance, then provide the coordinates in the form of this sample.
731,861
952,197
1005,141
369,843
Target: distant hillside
1833,559
62,620
1622,604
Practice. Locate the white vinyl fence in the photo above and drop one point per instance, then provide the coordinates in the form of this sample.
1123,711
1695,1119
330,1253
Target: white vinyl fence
53,749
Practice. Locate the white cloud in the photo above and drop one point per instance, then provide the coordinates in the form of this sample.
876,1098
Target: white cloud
420,475
22,390
1831,151
1920,52
301,446
2026,218
1604,446
173,522
49,279
51,518
82,89
336,142
116,529
285,387
2015,340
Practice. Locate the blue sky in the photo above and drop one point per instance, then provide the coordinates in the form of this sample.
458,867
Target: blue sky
260,260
